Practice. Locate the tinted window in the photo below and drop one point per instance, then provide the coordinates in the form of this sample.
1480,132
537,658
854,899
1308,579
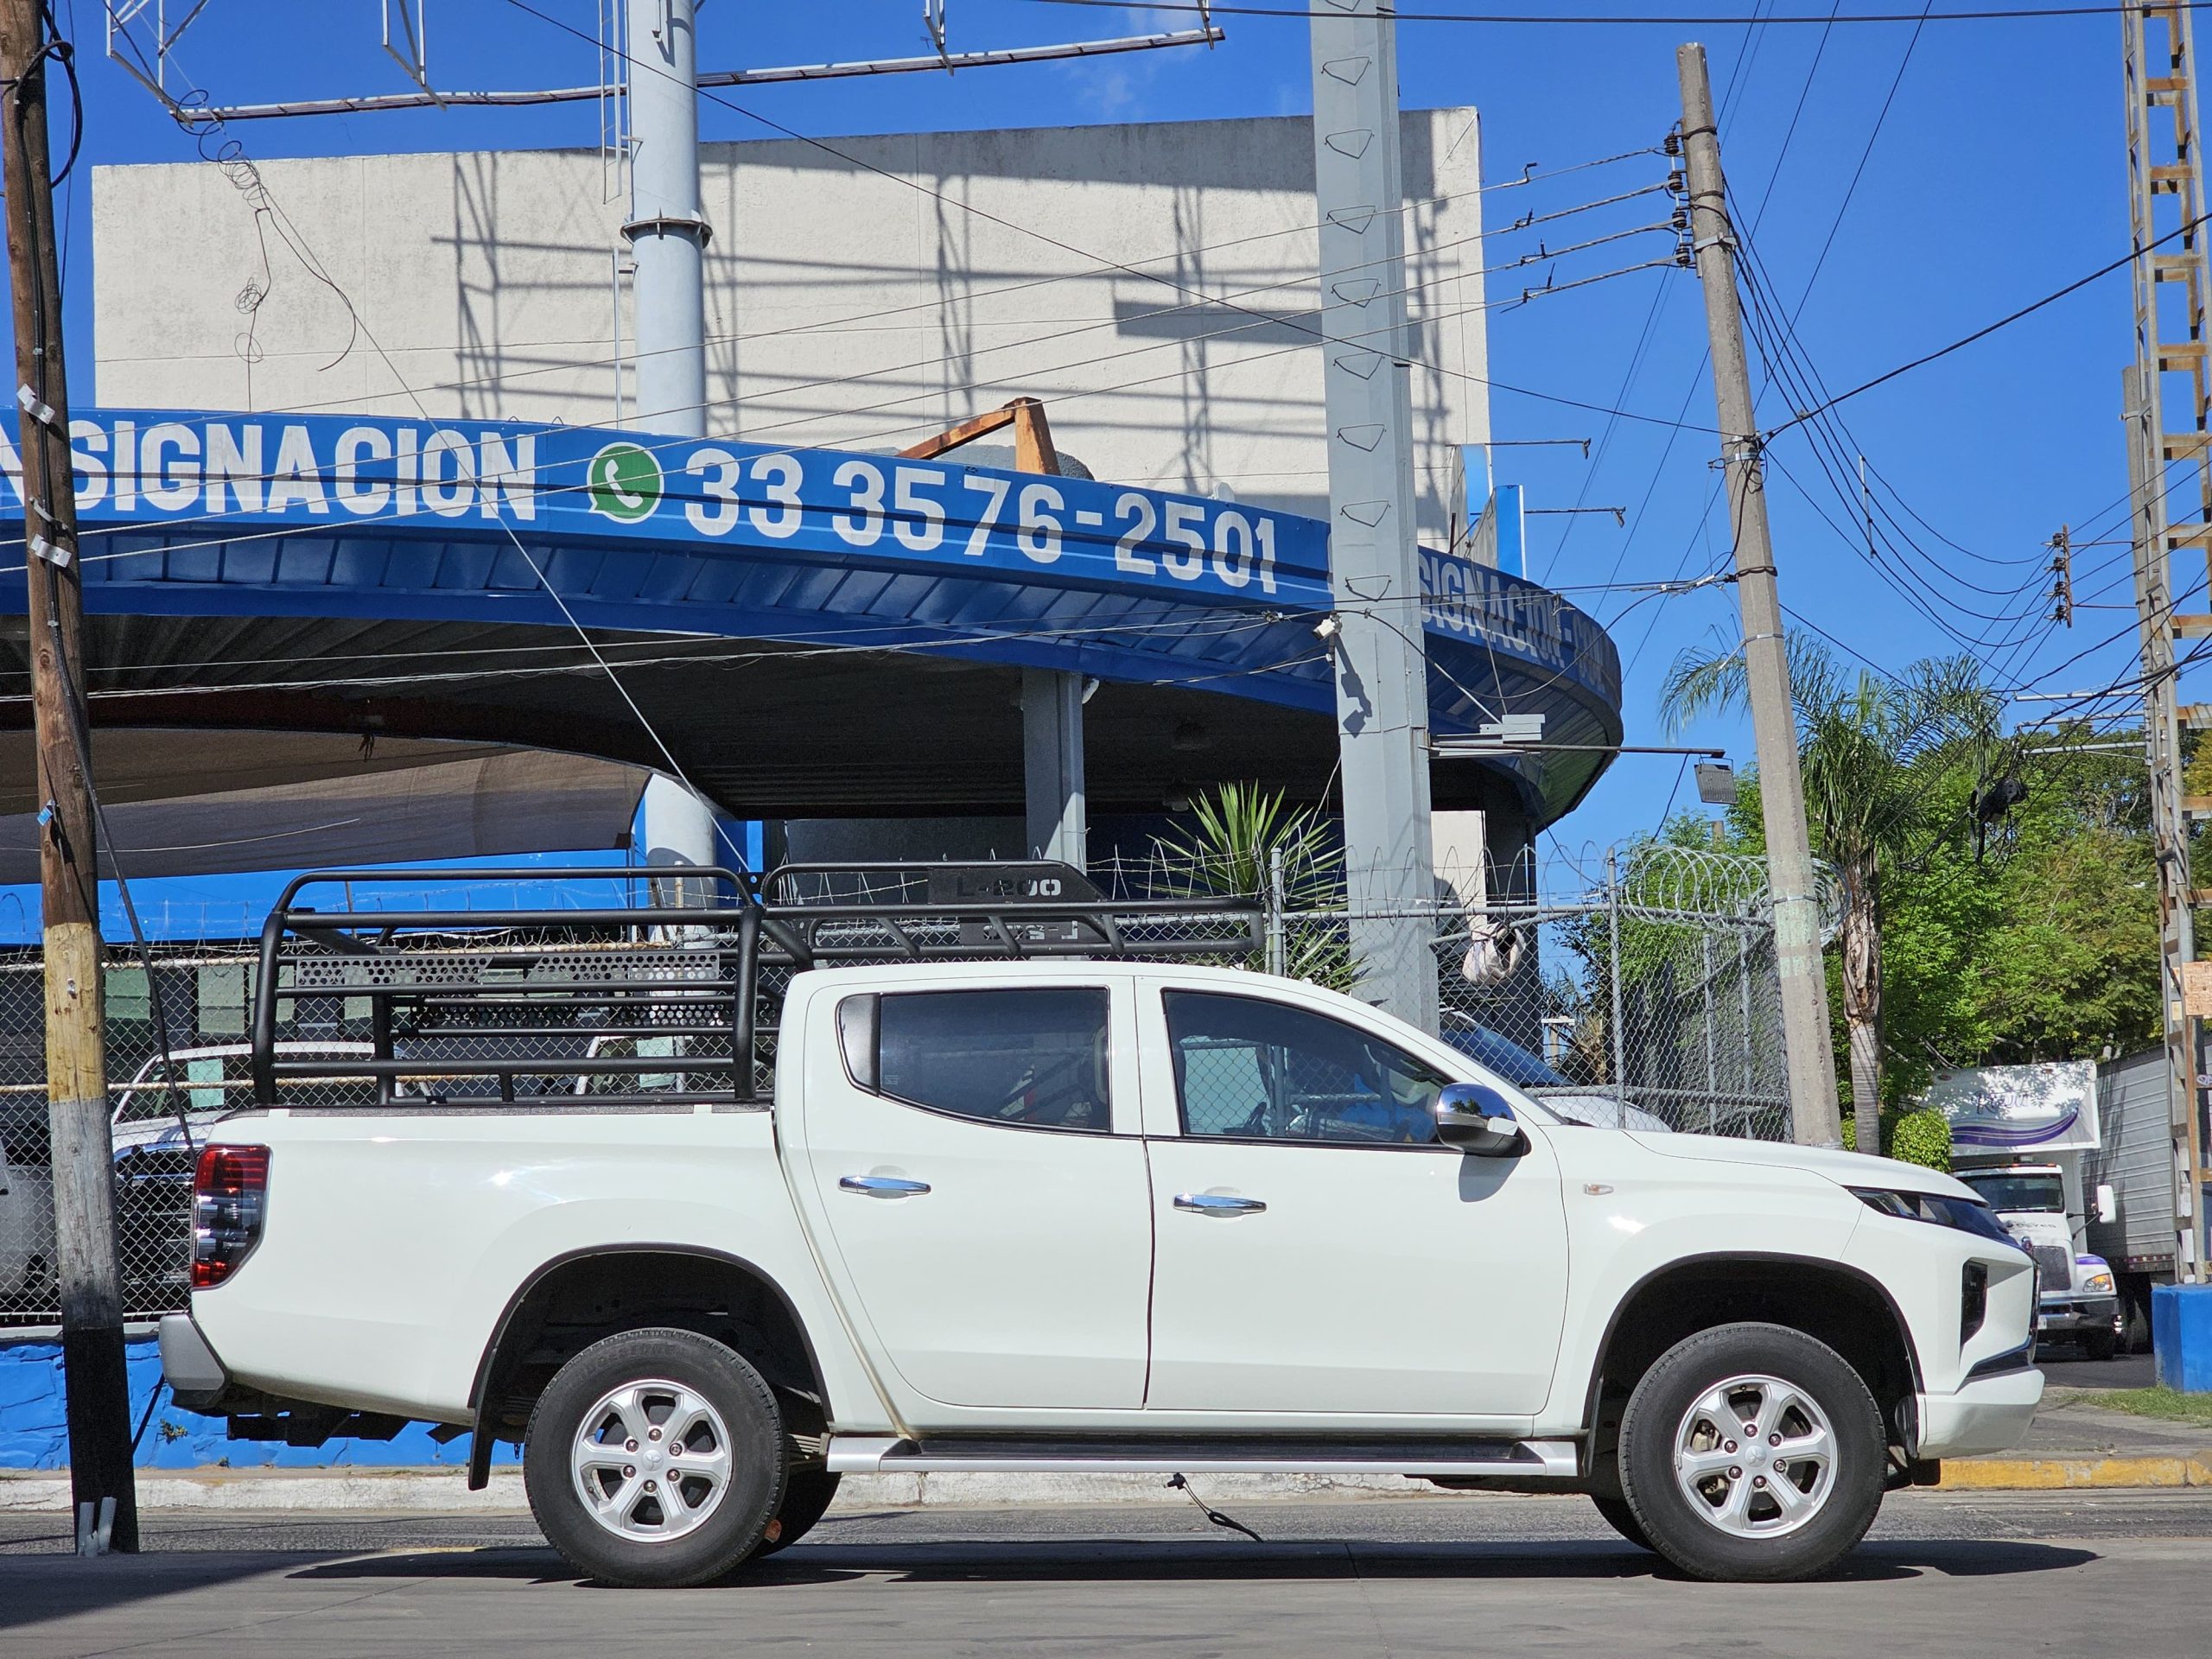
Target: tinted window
1266,1071
1033,1057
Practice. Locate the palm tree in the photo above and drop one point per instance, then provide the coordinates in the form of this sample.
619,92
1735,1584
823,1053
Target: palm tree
1872,750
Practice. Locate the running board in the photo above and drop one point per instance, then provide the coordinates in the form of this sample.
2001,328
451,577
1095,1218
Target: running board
884,1454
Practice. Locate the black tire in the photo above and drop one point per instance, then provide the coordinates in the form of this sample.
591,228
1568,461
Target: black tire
1687,1534
2135,1314
2100,1344
753,1492
1622,1519
807,1494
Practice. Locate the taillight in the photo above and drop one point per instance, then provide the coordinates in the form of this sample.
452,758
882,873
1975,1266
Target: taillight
230,1196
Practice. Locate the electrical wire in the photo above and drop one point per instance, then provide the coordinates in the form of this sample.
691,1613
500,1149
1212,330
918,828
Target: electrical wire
1666,20
1316,335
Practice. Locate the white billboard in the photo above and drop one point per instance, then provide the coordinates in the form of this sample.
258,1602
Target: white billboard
2026,1111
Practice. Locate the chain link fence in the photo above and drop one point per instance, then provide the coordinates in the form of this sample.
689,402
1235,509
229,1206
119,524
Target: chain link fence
1643,996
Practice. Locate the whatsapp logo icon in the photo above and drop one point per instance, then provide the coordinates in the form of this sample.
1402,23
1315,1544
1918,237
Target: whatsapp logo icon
624,482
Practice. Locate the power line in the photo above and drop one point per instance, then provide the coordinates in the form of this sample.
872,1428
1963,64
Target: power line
1983,332
1020,229
1672,19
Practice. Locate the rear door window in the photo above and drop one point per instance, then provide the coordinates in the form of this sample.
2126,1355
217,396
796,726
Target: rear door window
1036,1059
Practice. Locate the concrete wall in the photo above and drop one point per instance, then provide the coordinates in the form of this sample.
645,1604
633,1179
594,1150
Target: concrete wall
34,1425
861,299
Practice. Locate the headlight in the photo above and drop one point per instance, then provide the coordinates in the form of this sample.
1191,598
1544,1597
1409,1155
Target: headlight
2096,1276
1967,1215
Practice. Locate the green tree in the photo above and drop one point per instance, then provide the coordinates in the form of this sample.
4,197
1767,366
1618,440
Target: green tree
1872,750
2032,938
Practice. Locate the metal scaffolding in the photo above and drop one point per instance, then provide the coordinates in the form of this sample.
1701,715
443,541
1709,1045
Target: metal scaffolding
2169,476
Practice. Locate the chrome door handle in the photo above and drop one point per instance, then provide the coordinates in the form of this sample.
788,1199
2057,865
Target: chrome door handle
883,1186
1217,1203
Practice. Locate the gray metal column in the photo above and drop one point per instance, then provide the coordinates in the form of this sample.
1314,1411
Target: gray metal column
667,232
1051,762
1375,562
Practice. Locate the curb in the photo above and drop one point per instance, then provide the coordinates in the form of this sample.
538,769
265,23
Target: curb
445,1490
2063,1474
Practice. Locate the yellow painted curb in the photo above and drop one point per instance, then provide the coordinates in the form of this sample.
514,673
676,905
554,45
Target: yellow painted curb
2058,1474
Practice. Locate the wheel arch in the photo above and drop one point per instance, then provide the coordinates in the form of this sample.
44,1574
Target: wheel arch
1844,1306
527,1321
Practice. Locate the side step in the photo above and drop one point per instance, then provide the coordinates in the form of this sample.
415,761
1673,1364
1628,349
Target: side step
884,1454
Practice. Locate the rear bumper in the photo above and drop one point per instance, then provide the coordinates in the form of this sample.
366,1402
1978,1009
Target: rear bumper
1991,1413
189,1366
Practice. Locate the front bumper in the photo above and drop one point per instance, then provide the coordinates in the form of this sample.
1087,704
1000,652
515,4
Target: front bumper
2077,1314
1991,1413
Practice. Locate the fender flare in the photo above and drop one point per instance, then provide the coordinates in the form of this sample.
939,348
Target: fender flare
480,1439
1766,1258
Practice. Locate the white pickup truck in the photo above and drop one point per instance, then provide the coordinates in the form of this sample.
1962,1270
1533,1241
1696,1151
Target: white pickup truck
1020,1201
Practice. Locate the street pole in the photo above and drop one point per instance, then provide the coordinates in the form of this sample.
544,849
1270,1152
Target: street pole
1381,664
1814,1117
76,1080
667,233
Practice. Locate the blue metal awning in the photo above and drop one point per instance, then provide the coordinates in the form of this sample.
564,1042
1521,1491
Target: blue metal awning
204,514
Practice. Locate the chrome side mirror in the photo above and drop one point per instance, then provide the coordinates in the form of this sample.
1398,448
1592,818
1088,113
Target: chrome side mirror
1478,1121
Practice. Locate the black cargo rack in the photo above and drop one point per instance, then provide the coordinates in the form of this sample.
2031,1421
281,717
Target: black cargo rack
445,989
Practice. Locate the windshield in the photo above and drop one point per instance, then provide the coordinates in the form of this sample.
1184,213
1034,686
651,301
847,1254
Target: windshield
1509,1059
2000,1191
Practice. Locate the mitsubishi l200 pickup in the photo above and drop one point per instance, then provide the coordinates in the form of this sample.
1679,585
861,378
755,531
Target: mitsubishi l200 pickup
710,1206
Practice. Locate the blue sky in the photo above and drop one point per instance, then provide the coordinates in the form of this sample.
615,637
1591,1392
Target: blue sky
1997,175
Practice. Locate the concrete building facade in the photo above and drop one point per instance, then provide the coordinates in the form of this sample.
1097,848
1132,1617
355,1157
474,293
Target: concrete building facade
1153,284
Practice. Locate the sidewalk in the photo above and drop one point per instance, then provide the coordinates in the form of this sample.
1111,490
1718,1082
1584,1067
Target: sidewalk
2077,1443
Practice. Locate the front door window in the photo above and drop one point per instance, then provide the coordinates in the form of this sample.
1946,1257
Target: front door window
1246,1069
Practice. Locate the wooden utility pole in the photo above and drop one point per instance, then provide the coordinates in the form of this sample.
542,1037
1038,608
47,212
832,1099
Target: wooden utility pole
76,1075
1808,1047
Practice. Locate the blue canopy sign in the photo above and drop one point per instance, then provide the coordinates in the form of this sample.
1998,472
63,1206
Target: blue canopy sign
150,468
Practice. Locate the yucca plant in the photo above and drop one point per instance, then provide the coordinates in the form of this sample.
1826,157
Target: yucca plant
1238,833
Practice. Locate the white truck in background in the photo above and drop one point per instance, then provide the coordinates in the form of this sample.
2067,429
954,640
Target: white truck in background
2129,1176
2024,1137
976,1185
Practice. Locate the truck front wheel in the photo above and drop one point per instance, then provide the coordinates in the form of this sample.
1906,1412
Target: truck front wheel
655,1457
1753,1453
807,1496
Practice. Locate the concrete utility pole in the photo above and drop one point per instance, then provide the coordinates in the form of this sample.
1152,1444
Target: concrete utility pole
76,1074
1814,1116
1380,660
668,234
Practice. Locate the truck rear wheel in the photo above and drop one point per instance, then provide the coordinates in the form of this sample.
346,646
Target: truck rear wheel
655,1457
2100,1344
1753,1453
808,1493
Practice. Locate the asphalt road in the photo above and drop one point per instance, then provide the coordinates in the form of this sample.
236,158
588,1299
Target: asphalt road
2065,1370
1960,1574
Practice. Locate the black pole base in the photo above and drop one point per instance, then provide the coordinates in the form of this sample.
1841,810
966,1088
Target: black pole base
98,1387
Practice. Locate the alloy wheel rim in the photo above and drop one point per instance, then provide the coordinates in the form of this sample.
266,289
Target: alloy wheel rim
1755,1456
652,1461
